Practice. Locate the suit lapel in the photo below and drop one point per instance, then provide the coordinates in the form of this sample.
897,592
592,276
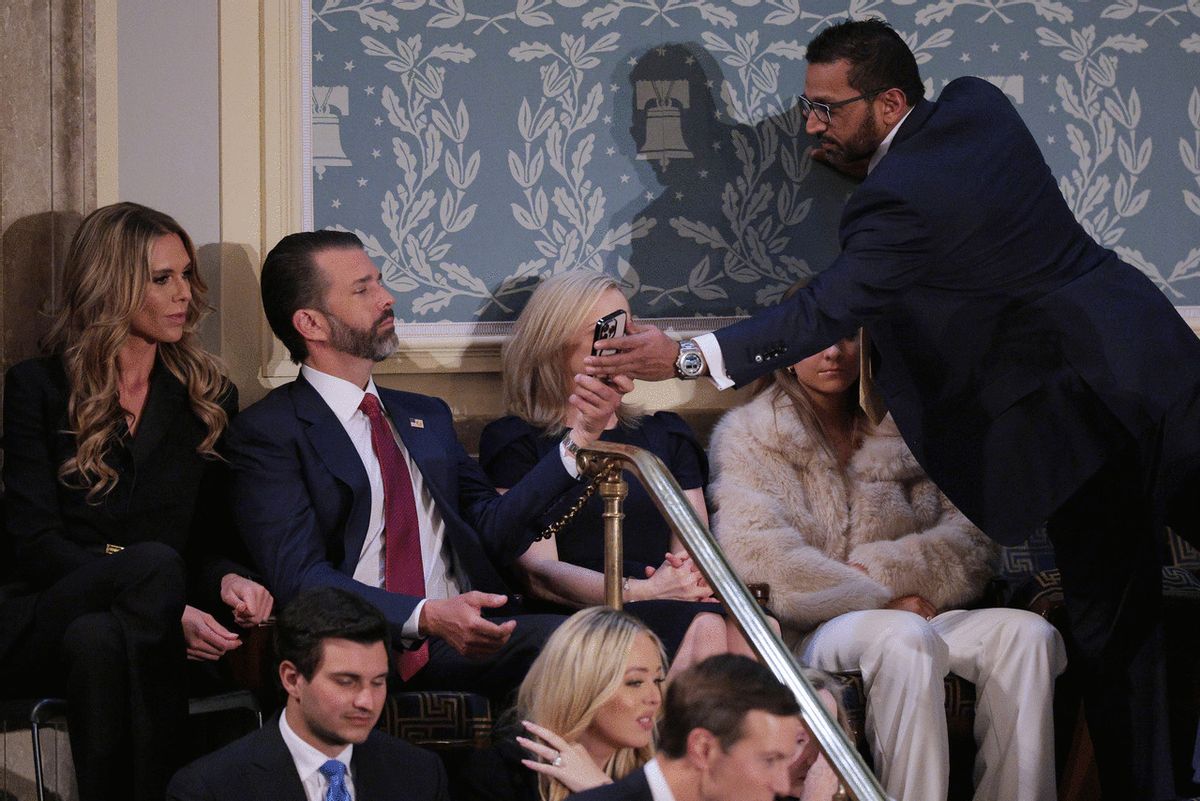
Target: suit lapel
335,450
166,403
274,763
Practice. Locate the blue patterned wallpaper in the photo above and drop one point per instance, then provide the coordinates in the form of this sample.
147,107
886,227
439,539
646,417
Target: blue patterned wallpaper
477,144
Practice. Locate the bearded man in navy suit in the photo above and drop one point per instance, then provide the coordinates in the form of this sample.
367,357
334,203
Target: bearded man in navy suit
338,482
1035,376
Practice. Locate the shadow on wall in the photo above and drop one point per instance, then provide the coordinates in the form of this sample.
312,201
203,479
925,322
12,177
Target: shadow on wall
235,329
32,250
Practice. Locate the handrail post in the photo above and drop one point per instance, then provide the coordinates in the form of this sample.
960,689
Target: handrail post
602,458
613,489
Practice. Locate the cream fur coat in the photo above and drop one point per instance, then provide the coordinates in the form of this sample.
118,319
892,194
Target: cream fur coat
785,516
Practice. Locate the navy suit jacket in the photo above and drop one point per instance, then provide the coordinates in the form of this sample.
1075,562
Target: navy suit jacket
633,787
1014,352
302,500
260,766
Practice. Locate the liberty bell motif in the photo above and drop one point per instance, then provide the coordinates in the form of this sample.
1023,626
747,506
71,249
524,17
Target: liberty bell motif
326,127
664,102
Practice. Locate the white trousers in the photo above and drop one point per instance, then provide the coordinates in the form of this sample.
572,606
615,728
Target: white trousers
1010,655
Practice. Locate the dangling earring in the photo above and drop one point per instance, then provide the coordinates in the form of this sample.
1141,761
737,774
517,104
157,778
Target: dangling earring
791,370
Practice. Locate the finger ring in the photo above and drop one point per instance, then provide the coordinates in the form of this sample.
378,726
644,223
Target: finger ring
557,761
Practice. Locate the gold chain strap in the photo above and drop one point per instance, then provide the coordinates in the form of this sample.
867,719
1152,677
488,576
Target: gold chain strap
558,525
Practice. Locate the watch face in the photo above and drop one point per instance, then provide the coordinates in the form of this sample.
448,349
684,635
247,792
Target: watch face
691,363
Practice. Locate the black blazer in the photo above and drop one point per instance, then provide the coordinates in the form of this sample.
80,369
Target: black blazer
259,766
633,787
1014,352
302,499
166,491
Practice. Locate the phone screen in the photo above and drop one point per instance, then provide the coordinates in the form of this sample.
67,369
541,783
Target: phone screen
607,327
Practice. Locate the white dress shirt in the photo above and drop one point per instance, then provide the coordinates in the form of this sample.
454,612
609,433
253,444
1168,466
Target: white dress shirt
659,789
309,760
708,342
343,399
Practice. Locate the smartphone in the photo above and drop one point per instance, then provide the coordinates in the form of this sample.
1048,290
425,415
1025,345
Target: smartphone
607,327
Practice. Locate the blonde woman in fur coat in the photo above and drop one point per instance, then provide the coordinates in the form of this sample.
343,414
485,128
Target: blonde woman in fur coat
869,566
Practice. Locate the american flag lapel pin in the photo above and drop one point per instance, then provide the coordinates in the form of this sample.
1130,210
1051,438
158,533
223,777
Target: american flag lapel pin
416,422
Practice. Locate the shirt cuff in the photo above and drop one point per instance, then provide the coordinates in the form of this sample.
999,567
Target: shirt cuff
568,461
411,630
716,362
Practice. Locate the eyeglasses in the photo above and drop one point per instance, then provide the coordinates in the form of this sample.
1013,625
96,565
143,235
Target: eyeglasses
824,111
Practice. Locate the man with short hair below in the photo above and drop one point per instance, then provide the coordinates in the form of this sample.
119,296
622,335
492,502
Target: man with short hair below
728,733
341,483
333,649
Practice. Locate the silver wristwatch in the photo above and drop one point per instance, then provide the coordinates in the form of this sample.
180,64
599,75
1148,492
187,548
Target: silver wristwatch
690,364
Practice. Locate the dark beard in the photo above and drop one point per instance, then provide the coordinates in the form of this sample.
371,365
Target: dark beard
360,343
861,145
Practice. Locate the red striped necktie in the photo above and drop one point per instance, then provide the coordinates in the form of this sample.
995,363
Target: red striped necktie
403,569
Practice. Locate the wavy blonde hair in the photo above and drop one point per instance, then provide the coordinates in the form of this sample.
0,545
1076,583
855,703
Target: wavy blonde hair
105,276
536,380
580,668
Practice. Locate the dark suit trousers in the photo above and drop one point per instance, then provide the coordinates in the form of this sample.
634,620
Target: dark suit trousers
108,637
1107,547
495,676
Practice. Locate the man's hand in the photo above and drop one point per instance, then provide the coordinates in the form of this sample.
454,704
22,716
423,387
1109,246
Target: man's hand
913,603
597,402
644,352
250,601
459,622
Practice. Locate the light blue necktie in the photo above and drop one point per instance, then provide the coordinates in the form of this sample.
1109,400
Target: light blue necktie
336,773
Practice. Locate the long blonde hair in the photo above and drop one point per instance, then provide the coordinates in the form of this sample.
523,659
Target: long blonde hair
105,276
580,668
536,380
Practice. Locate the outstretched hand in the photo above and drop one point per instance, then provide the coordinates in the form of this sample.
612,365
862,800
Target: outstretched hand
645,352
569,763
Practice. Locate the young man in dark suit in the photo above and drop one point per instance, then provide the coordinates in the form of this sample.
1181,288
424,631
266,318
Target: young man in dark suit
333,648
341,483
728,733
1036,377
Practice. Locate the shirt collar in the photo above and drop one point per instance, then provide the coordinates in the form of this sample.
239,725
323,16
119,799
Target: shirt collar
307,758
886,144
659,789
341,396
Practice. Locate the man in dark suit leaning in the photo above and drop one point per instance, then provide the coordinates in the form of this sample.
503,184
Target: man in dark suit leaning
341,483
333,649
728,733
1035,376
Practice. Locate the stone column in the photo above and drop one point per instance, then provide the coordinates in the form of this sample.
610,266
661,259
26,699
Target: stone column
47,157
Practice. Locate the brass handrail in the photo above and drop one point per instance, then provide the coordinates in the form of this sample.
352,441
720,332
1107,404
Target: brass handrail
607,459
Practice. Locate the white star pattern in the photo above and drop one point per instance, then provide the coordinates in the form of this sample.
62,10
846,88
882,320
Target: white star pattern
349,66
1049,140
362,181
708,84
612,87
965,57
632,62
649,196
610,151
319,56
716,145
689,61
679,196
375,153
607,120
624,179
378,121
337,204
1044,79
1051,108
1024,55
995,47
703,173
370,90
